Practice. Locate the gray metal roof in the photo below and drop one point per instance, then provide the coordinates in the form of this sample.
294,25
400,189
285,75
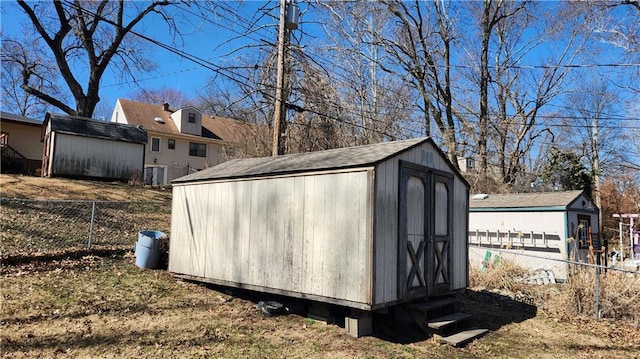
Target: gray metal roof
82,126
349,157
525,200
6,116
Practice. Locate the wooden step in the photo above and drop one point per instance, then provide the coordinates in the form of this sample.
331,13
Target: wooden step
435,305
462,338
442,323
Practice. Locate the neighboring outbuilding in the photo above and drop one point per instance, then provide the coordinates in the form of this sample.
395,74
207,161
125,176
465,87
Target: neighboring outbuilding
559,226
20,143
80,147
363,227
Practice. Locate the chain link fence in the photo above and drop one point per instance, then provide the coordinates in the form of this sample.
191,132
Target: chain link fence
611,292
34,227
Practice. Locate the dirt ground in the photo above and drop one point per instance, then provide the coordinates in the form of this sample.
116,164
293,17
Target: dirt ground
93,306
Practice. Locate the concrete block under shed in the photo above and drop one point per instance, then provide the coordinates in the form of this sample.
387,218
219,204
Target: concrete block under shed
359,326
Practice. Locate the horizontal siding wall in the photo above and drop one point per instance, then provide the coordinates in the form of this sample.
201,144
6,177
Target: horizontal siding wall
551,223
386,222
24,139
94,157
305,234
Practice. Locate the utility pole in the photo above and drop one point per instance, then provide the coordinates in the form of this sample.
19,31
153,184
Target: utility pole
595,149
279,110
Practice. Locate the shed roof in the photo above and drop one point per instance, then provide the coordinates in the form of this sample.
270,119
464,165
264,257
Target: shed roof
82,126
339,158
560,199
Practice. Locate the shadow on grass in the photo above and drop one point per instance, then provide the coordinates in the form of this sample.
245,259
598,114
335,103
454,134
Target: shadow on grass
490,310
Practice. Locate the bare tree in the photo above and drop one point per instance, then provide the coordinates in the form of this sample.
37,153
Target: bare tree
96,34
512,96
593,129
376,103
25,58
162,95
493,14
421,52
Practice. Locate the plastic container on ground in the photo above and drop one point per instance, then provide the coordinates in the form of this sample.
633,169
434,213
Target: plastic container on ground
148,251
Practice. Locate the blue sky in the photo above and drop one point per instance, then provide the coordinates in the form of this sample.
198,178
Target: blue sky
212,39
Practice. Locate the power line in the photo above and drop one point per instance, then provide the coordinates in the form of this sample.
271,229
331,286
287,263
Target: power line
357,113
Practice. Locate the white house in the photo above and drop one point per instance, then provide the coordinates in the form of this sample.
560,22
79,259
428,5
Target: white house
180,141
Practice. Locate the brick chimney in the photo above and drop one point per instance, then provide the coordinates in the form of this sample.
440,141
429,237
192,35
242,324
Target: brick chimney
165,106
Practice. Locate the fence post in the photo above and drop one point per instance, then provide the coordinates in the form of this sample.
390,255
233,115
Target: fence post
93,216
597,299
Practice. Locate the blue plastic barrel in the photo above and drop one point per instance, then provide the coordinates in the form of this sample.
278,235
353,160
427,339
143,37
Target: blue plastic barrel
148,251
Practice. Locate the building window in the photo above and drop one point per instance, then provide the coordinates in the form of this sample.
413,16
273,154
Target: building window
192,117
197,149
171,144
155,144
584,224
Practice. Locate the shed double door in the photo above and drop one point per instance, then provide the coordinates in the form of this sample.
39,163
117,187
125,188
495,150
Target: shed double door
425,232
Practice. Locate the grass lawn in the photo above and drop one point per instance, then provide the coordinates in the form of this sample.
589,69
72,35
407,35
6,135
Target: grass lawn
80,305
107,307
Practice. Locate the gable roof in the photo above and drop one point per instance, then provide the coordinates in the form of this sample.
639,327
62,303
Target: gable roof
86,127
340,158
216,128
560,199
6,116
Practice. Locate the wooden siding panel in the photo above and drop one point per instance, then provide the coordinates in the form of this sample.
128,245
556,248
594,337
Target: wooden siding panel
94,157
355,238
317,234
297,240
242,229
333,237
307,219
386,233
300,234
459,277
200,221
179,260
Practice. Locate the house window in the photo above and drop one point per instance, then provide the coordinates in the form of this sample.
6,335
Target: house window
197,149
155,144
584,224
171,144
192,117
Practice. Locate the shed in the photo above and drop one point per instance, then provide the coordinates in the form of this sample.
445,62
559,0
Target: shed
86,148
549,225
363,227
